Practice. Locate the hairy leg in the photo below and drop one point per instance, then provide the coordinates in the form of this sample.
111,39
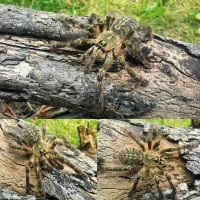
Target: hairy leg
109,20
136,78
156,179
99,96
23,148
44,131
54,162
156,144
192,144
149,141
163,164
137,179
174,197
127,168
28,185
70,164
38,174
15,136
133,47
44,162
67,144
90,56
132,136
161,195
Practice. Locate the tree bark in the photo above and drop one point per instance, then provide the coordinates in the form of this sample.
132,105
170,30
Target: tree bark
62,185
113,137
87,138
31,71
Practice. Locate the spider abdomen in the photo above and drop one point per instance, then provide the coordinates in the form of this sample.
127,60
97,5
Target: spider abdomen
131,157
31,135
123,26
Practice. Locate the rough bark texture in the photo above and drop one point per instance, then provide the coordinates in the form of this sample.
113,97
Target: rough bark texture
62,185
30,71
113,137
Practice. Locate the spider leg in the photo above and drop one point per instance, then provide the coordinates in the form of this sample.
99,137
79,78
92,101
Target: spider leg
100,75
28,185
39,181
45,162
76,23
64,143
131,135
109,20
16,137
90,56
44,131
164,165
74,167
51,139
149,142
70,164
156,179
138,177
146,32
23,148
161,195
126,168
133,47
54,162
60,166
126,67
135,77
67,144
156,144
192,144
153,130
174,197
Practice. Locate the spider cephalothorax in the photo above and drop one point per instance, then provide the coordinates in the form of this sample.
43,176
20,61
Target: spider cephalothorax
150,160
40,149
116,38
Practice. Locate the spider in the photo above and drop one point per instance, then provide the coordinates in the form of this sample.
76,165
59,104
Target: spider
40,149
116,37
150,159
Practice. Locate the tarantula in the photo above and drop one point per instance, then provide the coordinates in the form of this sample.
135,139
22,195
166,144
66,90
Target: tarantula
40,149
149,159
116,37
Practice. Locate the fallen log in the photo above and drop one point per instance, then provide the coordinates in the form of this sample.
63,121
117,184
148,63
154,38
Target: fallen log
32,70
64,184
113,137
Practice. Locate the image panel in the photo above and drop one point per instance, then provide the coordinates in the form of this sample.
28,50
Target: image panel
116,63
146,159
48,159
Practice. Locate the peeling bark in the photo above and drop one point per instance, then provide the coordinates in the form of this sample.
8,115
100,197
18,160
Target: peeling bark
87,138
62,185
31,71
113,137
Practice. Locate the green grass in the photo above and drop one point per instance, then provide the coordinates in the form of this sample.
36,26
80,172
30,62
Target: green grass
178,19
172,122
67,127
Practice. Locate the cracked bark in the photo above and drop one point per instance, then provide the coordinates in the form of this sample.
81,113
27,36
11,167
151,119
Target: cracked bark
113,137
31,71
61,185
